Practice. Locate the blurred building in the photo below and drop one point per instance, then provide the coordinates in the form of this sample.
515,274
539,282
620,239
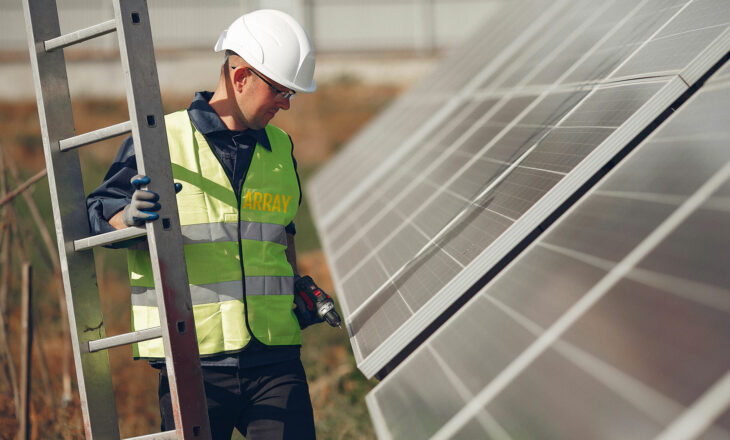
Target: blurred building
334,25
392,41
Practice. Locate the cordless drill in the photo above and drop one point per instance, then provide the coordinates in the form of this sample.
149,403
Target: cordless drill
314,297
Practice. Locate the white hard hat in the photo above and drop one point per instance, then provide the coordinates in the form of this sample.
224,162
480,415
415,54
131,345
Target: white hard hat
273,43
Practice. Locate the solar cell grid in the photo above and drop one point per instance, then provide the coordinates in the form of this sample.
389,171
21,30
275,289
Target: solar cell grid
506,204
380,142
467,241
636,27
578,43
376,143
449,84
618,227
479,174
393,182
518,192
454,191
553,299
506,29
613,324
519,135
542,47
425,158
450,77
565,147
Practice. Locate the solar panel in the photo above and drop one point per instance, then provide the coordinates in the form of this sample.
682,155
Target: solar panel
613,324
445,185
428,103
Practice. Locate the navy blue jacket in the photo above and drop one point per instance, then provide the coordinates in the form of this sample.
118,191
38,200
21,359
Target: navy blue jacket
116,192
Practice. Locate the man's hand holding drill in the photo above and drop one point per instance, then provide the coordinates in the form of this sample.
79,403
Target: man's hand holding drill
312,305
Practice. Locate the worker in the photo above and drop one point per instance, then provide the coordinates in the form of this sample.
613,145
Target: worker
240,193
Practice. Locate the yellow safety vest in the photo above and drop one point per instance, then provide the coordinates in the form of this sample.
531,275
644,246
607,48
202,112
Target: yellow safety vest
230,298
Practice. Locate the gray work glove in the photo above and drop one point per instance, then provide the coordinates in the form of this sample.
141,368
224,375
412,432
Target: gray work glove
144,203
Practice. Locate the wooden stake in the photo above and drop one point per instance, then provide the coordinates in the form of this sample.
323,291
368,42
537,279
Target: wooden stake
26,346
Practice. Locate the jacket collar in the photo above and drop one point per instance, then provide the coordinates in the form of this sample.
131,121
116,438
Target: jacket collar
207,121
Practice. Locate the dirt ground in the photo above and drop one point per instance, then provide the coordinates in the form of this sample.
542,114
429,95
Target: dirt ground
319,124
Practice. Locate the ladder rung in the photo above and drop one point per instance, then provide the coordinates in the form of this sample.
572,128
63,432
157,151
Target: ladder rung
167,435
108,238
80,35
95,136
125,339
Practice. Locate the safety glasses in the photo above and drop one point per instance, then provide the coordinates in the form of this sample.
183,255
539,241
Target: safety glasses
280,94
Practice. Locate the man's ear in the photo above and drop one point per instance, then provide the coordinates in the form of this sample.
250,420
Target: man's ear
240,76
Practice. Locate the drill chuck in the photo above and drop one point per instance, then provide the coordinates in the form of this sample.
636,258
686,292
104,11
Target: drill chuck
314,297
326,311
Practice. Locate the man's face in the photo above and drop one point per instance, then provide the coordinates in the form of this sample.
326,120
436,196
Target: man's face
260,98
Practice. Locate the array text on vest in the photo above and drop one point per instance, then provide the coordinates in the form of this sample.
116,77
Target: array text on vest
258,201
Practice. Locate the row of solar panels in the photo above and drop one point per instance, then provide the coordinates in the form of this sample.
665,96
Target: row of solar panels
620,311
614,324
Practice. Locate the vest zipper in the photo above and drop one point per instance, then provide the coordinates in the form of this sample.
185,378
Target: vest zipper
238,190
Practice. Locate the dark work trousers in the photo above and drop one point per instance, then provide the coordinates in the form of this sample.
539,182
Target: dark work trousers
267,402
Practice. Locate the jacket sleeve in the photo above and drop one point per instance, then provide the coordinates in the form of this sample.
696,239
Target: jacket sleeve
115,192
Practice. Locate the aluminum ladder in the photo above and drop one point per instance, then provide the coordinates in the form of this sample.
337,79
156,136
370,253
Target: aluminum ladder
147,125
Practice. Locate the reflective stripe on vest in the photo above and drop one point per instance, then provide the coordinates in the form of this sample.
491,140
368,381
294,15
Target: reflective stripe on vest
212,221
219,292
216,232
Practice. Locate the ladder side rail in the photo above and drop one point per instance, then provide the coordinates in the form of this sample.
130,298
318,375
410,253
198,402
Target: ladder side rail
164,235
70,219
